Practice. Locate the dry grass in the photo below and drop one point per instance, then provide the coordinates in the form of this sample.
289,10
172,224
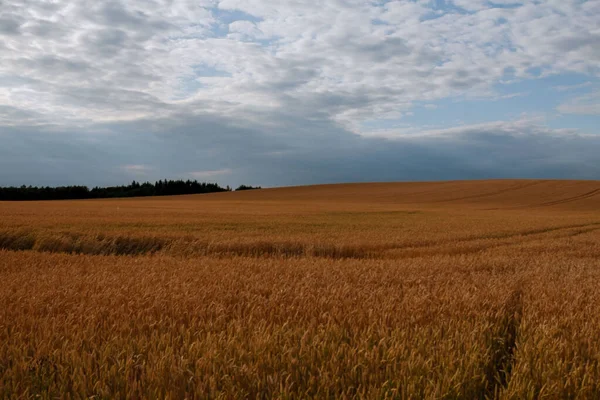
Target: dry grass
447,290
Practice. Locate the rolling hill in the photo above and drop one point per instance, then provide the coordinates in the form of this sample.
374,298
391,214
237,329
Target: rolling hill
486,194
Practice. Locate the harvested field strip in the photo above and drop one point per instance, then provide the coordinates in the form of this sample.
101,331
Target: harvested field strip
102,244
123,245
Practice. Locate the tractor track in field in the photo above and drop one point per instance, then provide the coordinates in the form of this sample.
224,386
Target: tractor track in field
440,248
583,196
503,343
489,194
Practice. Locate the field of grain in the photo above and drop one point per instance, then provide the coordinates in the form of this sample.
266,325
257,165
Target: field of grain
479,289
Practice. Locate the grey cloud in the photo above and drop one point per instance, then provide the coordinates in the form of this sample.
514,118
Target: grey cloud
45,156
291,78
46,29
52,65
115,13
578,42
372,49
10,25
385,49
10,114
106,42
111,99
315,151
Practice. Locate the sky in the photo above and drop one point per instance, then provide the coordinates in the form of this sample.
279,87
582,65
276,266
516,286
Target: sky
277,93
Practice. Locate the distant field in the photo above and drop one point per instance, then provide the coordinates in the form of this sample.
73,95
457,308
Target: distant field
469,289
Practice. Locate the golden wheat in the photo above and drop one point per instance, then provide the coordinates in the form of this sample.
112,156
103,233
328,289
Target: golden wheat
447,290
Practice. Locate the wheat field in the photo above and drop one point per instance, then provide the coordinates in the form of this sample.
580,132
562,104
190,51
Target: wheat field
474,289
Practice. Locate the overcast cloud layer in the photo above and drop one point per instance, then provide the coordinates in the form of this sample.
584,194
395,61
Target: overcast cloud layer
298,91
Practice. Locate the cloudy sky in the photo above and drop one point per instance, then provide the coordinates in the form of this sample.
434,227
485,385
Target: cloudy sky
286,92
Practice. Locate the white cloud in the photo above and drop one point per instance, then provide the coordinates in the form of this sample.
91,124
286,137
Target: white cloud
524,126
352,60
219,173
588,104
565,88
138,169
245,30
477,5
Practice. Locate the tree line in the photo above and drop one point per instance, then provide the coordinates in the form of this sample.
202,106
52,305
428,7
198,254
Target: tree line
135,189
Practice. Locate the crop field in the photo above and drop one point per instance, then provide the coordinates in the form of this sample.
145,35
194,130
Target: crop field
474,289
